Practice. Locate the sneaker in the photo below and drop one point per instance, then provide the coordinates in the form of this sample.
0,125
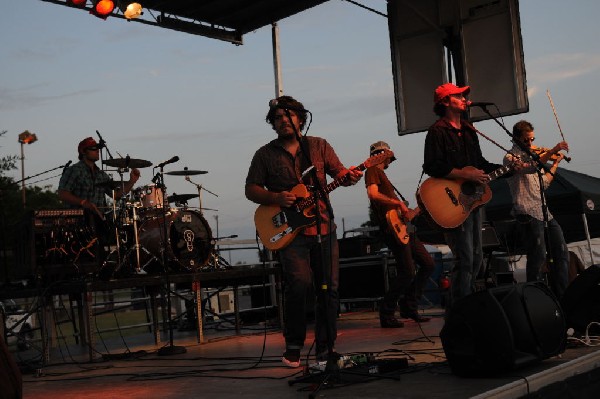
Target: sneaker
291,358
415,316
390,322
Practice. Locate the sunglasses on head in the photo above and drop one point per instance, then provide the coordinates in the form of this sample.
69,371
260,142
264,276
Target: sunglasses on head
92,149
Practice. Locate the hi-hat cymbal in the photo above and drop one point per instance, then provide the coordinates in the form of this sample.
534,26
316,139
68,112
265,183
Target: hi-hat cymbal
109,184
127,163
181,197
186,172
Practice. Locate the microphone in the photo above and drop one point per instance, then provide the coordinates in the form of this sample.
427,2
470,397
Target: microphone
101,144
479,104
275,104
67,165
155,178
162,164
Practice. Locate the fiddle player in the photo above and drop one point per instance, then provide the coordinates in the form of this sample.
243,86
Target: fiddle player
527,208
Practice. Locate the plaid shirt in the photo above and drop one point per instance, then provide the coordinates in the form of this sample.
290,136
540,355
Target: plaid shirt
525,187
80,181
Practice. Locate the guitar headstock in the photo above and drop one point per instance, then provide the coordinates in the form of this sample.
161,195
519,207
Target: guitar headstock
379,158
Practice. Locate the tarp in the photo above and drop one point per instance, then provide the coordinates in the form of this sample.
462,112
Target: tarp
570,196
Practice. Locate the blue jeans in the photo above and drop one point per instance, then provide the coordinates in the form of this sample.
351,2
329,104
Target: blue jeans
305,269
465,243
532,233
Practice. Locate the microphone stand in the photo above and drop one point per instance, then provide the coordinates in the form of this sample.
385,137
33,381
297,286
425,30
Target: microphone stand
541,168
318,193
170,349
18,182
122,208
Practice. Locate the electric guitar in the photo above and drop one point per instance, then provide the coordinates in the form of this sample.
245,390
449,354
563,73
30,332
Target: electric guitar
277,226
397,223
450,201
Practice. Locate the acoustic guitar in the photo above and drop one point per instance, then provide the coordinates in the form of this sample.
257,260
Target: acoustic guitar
450,201
277,226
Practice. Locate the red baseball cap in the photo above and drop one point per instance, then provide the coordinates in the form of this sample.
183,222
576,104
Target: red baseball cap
447,89
86,143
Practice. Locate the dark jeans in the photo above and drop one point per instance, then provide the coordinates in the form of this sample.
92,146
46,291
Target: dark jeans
466,246
409,283
532,233
305,269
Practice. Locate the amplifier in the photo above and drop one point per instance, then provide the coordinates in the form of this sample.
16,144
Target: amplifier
58,243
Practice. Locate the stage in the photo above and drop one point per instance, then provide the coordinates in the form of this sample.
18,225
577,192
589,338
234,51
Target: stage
228,365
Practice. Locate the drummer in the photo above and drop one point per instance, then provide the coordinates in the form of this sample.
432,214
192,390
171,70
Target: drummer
81,185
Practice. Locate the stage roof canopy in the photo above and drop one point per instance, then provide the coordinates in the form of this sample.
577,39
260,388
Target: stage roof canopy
225,20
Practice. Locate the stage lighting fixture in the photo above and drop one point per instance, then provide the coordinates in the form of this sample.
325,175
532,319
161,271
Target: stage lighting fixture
130,10
102,8
77,3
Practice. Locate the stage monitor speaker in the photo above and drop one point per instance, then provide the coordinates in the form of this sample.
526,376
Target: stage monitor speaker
502,329
581,301
11,381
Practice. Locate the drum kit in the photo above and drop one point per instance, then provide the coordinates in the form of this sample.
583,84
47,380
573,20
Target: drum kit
152,236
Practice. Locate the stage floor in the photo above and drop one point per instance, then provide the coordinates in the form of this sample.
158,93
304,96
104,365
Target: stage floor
249,365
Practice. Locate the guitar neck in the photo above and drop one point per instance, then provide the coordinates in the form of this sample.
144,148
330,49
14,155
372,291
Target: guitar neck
308,202
499,172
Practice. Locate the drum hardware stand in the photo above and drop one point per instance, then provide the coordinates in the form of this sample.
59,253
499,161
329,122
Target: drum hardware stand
170,349
200,188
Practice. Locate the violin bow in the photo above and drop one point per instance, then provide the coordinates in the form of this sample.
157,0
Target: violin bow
555,116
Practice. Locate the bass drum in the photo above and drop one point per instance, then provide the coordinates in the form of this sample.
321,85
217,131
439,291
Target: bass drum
189,240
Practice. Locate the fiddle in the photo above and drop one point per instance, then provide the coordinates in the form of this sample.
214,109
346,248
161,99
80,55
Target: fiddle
540,151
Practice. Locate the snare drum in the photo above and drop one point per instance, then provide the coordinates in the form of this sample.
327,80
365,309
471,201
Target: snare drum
189,238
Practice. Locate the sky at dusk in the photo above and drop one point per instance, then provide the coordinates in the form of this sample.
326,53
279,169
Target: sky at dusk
155,93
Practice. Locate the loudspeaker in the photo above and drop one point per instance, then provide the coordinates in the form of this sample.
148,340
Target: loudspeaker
502,329
581,300
465,39
11,382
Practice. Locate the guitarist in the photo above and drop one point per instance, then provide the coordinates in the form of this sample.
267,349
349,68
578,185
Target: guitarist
275,169
409,284
450,146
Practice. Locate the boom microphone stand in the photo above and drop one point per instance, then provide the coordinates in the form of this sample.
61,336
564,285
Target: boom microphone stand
170,349
318,193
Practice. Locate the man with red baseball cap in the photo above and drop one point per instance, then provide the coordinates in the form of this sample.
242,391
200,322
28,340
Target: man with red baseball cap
81,185
84,185
452,151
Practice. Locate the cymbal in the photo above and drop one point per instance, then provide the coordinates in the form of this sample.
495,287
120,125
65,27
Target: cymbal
127,163
109,184
181,197
186,172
